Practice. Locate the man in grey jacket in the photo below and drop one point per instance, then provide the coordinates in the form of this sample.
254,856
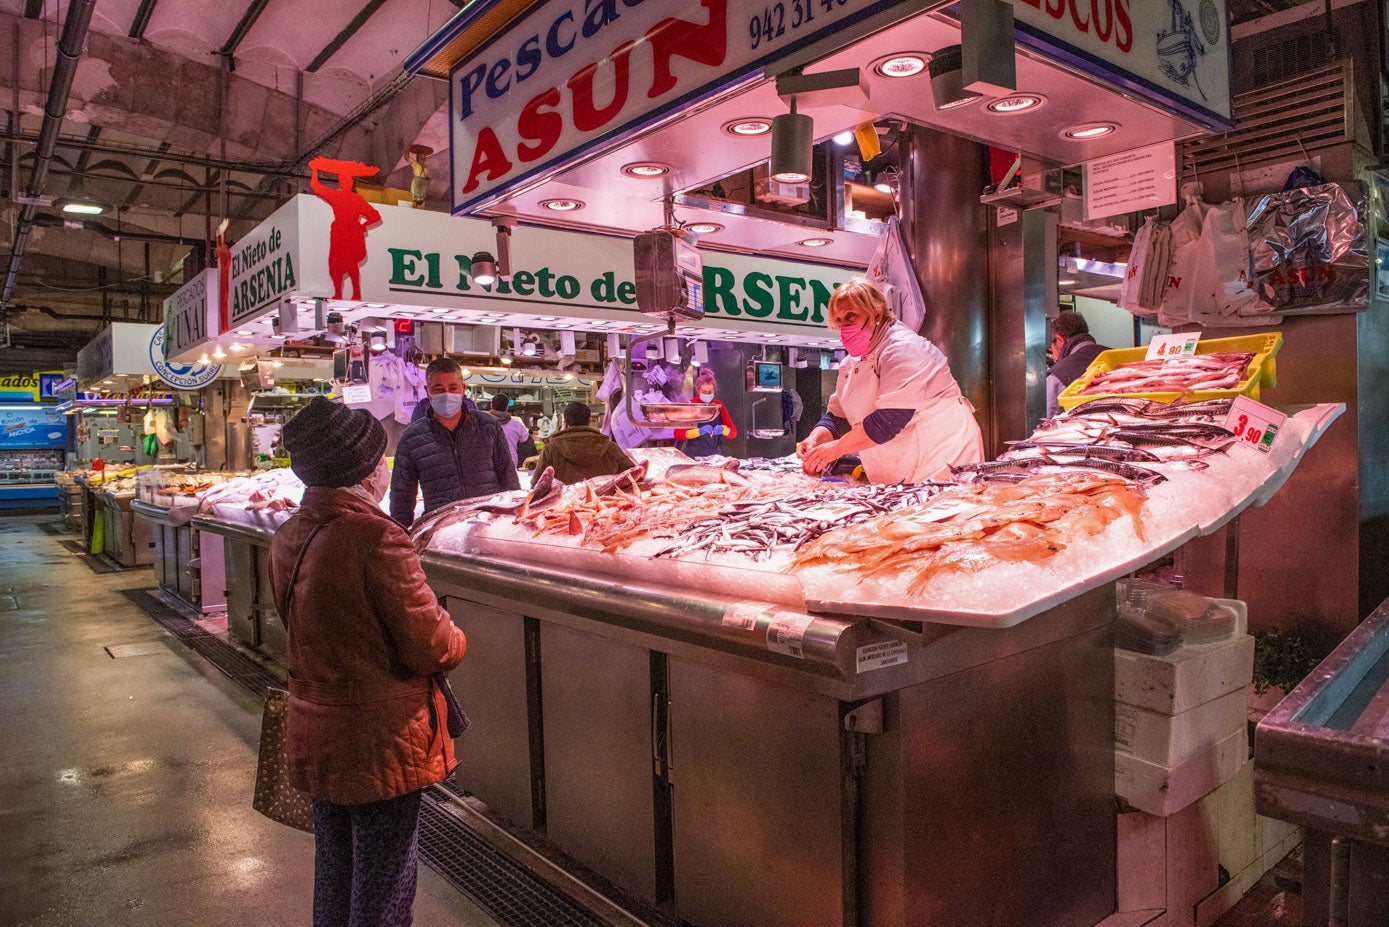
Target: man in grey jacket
451,452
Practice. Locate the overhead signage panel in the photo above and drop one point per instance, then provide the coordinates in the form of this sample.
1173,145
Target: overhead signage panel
191,316
1173,52
423,260
571,78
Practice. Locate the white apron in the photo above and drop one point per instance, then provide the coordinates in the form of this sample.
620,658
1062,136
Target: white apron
908,372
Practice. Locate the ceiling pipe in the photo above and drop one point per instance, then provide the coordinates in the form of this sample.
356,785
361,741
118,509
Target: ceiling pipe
44,220
74,36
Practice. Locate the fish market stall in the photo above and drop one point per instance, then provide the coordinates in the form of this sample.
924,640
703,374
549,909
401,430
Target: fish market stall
240,516
788,662
168,498
1321,757
112,528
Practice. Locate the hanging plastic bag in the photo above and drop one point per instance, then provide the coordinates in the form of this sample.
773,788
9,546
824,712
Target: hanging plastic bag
1311,250
1186,242
1221,294
1139,256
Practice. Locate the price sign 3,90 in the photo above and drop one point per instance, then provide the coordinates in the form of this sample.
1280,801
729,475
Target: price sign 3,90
1254,423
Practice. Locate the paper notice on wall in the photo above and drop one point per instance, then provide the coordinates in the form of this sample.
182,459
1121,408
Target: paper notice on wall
786,634
1144,178
356,395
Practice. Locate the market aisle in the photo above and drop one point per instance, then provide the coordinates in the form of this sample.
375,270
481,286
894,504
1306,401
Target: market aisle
125,790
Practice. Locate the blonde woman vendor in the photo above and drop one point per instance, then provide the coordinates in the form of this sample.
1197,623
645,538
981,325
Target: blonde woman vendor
896,404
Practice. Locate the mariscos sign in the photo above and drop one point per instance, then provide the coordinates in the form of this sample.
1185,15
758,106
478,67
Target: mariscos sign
572,75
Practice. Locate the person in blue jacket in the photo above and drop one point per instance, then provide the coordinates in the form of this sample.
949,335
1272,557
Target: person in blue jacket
451,451
706,440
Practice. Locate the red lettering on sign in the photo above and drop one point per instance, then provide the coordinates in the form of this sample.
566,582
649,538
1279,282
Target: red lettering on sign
1123,27
1082,24
488,159
540,125
587,117
1102,15
707,44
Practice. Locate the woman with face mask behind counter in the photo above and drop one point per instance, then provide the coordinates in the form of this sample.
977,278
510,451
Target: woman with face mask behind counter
896,404
706,440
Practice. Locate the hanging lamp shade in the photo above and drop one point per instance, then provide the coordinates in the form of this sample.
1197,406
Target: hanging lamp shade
793,143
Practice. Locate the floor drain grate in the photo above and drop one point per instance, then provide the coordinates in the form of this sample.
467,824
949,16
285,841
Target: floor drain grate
499,885
52,527
242,670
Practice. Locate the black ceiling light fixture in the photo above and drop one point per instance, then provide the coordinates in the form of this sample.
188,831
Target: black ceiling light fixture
793,146
947,83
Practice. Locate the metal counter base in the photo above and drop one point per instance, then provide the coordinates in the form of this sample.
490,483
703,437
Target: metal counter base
182,559
251,616
968,781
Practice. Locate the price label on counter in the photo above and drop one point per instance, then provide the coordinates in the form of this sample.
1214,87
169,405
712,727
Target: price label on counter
1175,345
1254,423
786,634
744,614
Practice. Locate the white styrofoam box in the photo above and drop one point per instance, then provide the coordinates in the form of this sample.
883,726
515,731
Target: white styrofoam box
1163,790
1186,677
1169,739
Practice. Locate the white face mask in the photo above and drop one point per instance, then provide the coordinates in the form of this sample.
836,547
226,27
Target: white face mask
379,482
706,397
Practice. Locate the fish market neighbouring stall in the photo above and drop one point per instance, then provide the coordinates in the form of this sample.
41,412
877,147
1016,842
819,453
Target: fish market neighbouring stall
33,443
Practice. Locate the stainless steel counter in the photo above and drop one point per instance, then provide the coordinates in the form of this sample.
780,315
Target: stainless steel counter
1322,761
126,539
251,616
178,550
800,769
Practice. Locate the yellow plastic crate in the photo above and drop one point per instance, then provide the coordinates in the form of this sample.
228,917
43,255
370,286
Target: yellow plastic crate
1262,374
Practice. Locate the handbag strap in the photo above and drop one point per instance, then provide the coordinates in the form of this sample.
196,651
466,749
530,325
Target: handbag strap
294,573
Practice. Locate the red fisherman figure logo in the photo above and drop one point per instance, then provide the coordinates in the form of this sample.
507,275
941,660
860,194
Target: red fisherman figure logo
352,216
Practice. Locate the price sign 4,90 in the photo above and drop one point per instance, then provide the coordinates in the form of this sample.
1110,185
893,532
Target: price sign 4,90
1254,423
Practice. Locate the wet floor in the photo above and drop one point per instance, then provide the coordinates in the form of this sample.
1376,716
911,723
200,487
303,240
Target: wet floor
125,782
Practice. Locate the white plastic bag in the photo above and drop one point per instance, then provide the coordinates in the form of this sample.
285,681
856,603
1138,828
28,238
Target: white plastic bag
1139,255
1221,292
1181,288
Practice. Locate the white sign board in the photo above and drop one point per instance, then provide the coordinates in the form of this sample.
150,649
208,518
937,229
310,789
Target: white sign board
1176,345
1145,178
1175,52
416,258
190,315
573,76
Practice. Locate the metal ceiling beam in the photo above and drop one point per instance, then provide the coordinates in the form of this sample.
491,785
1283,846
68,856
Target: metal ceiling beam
79,19
248,19
142,19
162,153
348,32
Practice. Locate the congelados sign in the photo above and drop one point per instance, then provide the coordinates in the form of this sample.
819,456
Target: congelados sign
571,75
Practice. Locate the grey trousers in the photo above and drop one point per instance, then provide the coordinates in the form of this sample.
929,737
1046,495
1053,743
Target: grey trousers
365,860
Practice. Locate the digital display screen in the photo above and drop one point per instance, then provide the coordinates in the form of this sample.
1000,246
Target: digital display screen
768,376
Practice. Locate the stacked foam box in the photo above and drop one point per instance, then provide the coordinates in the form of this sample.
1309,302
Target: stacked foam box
1180,722
1182,758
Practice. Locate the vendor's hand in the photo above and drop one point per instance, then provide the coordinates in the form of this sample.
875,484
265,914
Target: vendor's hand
709,430
818,436
817,459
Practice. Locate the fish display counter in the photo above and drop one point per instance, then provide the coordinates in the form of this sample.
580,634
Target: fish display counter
856,671
184,566
109,525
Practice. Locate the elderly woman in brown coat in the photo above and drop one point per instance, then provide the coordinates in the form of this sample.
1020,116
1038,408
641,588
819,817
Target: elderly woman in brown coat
366,725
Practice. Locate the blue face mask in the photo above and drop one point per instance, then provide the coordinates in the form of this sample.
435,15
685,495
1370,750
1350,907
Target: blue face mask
446,405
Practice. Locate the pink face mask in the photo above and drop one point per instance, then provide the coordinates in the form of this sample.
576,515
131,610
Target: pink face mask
856,339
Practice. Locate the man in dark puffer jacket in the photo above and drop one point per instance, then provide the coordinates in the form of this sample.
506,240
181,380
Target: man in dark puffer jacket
1072,349
451,452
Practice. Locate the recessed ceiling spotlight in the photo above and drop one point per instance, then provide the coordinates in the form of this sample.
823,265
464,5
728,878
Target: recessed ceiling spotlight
1065,281
244,331
844,138
704,228
1015,103
548,318
1088,131
438,309
375,305
750,127
563,325
645,169
815,242
562,205
906,64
